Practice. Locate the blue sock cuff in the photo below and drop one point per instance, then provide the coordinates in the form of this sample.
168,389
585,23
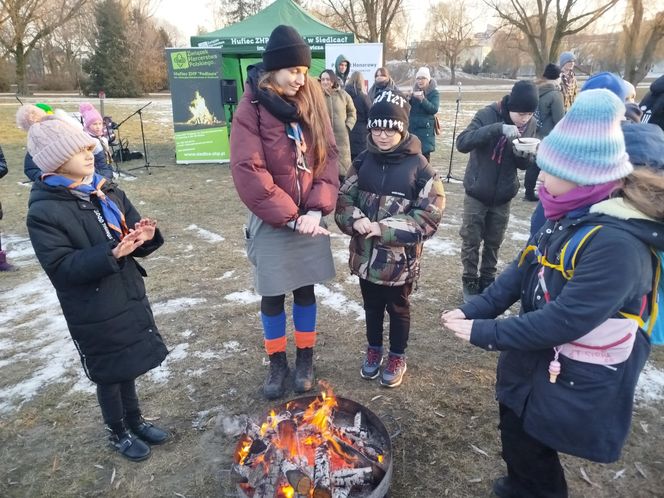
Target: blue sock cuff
304,317
274,327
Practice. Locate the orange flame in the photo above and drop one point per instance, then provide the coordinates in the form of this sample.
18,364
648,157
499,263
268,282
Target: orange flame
380,458
288,491
243,453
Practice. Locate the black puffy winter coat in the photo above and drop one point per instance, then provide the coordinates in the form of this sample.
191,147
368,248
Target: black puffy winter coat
102,299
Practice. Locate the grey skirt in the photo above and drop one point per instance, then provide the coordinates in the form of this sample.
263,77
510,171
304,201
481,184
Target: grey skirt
285,260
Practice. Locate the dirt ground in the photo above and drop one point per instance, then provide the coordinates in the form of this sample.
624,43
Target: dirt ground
52,441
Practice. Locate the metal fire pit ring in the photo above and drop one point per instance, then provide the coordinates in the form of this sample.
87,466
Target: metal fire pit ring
346,410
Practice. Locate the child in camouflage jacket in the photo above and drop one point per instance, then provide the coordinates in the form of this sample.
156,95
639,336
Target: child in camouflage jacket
391,202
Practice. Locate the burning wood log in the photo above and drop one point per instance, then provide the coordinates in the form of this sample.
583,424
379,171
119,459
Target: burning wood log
296,477
268,485
357,423
322,487
250,475
347,478
340,492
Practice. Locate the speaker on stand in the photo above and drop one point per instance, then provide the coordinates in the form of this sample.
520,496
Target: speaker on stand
229,95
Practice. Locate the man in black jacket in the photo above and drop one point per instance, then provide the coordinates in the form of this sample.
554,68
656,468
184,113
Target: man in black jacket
491,179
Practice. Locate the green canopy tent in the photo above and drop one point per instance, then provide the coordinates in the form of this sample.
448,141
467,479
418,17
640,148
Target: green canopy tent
242,43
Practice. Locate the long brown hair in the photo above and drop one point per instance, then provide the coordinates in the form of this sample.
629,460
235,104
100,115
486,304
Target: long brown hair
356,80
311,105
644,189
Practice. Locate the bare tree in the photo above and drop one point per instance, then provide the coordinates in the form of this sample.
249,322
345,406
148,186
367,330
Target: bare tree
369,20
26,22
451,31
641,38
545,23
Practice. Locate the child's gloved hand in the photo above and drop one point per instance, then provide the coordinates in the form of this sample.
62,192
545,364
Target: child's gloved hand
510,131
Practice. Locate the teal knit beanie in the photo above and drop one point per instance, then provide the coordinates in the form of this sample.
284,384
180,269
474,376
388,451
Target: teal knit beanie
587,146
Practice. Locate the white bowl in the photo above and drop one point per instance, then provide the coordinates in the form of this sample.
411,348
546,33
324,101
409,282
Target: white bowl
526,144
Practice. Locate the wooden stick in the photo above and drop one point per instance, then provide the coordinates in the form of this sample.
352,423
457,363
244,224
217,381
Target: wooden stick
347,478
322,473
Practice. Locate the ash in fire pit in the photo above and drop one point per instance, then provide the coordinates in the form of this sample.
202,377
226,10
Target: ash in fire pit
322,447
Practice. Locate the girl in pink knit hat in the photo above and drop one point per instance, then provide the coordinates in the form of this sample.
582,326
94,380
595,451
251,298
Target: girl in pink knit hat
87,237
94,126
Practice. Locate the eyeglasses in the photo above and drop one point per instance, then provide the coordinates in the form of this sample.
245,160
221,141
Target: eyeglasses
388,132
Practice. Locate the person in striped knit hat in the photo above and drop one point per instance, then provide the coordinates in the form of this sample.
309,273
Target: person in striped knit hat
571,360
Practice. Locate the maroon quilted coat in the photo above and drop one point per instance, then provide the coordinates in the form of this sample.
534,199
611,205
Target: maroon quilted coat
263,162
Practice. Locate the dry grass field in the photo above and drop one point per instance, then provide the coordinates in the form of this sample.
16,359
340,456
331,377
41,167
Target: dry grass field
52,442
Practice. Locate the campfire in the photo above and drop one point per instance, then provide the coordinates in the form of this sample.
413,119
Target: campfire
312,447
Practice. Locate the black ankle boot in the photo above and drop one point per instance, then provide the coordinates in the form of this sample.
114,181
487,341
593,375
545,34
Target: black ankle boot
485,282
304,370
275,384
148,432
531,196
129,446
471,287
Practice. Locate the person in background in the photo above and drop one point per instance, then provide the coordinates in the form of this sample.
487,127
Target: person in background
382,82
568,83
652,104
630,91
424,101
342,69
4,264
93,124
284,163
491,180
391,202
86,235
343,115
357,91
550,110
570,361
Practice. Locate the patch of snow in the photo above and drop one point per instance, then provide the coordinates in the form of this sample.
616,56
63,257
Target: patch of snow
176,305
339,302
243,297
227,275
209,180
199,372
161,374
206,235
206,355
17,247
187,333
651,385
439,246
520,236
232,347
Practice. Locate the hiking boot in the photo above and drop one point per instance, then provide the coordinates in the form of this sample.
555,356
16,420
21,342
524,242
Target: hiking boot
531,196
275,384
148,432
129,446
304,370
372,362
502,488
4,265
393,372
484,283
471,287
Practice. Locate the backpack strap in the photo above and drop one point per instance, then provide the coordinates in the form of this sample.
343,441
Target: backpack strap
570,251
657,290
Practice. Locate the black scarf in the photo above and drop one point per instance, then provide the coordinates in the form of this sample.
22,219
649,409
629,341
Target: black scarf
280,108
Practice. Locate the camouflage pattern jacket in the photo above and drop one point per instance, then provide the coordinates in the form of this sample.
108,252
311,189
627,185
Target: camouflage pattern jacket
401,191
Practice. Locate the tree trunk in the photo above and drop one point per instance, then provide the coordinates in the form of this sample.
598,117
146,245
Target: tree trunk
21,83
452,74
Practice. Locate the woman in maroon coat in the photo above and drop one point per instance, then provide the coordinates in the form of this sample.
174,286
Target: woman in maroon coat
285,168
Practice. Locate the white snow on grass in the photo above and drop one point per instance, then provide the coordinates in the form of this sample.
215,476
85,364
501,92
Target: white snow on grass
226,275
439,246
520,236
18,248
161,374
176,305
206,235
651,385
33,307
243,297
339,302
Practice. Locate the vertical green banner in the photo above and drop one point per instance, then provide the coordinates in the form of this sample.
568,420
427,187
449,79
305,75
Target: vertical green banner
201,132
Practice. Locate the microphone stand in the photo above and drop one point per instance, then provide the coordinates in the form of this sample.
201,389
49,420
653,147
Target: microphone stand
456,117
146,164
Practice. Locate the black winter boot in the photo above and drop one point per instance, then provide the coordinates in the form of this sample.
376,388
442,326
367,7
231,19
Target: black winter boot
531,196
304,370
146,431
275,384
485,282
128,445
471,287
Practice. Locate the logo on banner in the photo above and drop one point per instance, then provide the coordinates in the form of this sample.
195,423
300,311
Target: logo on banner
180,60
